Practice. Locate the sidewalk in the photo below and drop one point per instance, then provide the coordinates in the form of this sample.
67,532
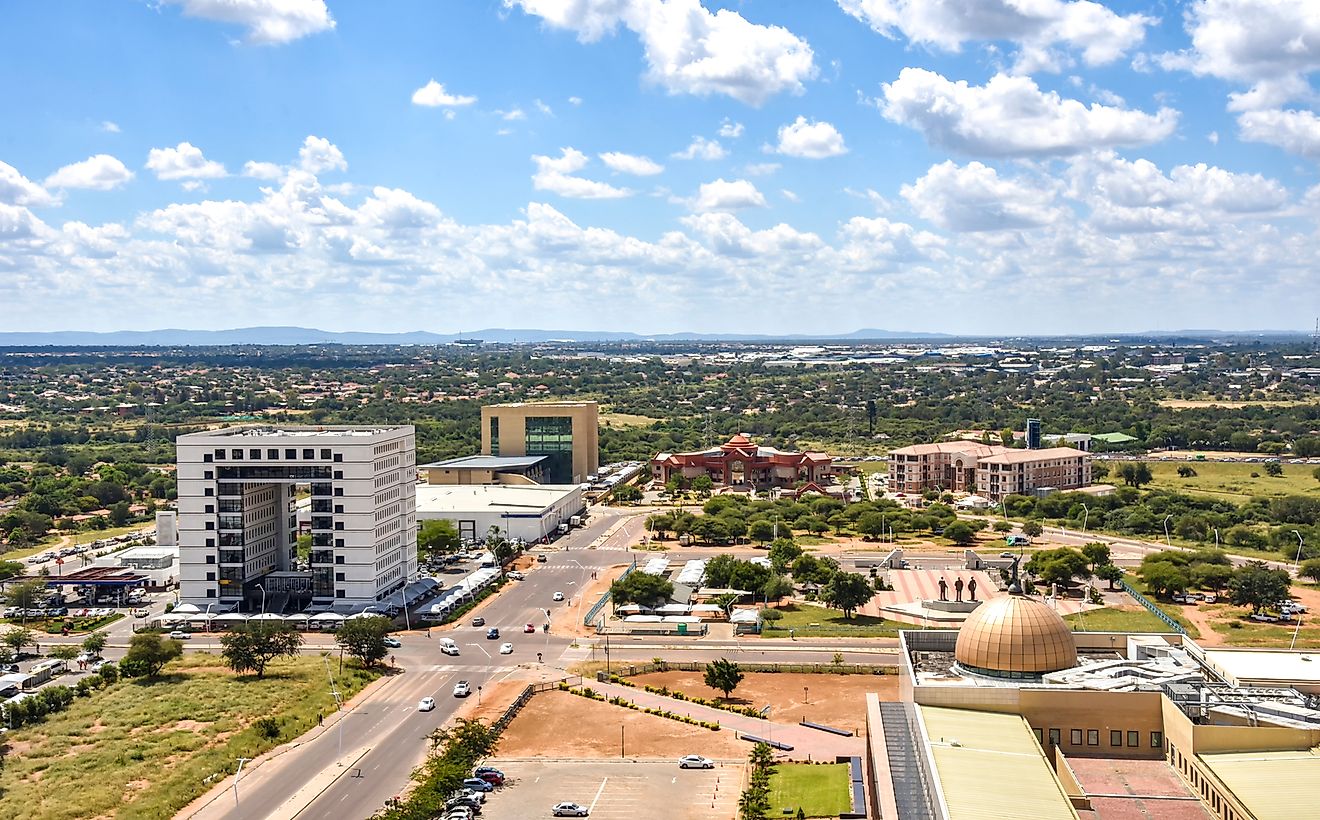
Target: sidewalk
808,744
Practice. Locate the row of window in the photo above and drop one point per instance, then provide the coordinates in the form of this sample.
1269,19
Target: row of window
1208,790
1092,738
272,454
387,447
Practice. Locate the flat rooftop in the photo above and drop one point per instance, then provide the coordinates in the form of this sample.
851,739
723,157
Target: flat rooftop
547,404
293,431
484,463
462,498
1272,785
991,767
1280,666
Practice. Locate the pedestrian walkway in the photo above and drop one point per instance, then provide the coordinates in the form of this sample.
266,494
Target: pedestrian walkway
808,744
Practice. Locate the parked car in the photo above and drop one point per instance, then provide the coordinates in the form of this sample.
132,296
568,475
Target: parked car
493,778
506,649
569,810
540,559
478,621
480,770
493,634
180,635
559,596
477,784
392,642
426,704
141,612
462,689
515,575
695,762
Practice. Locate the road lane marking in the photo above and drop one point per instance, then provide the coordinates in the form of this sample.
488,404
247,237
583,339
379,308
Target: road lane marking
592,807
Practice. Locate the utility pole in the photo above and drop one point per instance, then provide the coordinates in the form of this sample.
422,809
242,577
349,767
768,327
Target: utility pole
237,774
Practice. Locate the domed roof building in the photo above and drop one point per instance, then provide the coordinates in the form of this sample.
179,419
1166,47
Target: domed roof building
1015,637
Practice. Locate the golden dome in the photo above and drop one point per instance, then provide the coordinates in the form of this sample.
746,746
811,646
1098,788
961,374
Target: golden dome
1013,636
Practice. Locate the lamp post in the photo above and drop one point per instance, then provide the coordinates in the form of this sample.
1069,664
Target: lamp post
237,774
208,617
1216,538
1296,563
263,598
1086,516
1167,542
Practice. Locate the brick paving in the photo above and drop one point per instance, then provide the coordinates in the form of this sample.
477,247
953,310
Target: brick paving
1135,790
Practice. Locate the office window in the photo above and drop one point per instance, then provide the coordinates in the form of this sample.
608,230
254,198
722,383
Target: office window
236,454
1075,737
1134,738
339,576
210,525
339,491
210,592
290,454
208,474
1156,740
339,509
219,455
338,457
210,508
325,454
339,475
339,542
210,542
339,559
1092,737
208,491
210,576
494,436
206,457
339,525
272,454
254,453
339,593
1040,738
1115,737
1055,735
309,453
210,559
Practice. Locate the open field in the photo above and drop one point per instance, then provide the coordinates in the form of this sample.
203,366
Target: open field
616,789
819,790
558,725
625,420
1115,619
809,621
836,700
1233,481
145,749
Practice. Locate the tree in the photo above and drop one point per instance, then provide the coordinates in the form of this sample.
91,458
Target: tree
872,525
10,569
847,591
723,675
871,413
761,530
1186,471
26,594
641,588
119,513
148,653
94,643
808,569
437,536
364,638
258,643
1257,586
768,615
776,587
1135,473
1058,566
660,524
702,485
627,493
725,602
1032,529
960,533
783,553
65,652
1109,573
1310,569
1003,526
1316,474
16,639
1096,554
1274,469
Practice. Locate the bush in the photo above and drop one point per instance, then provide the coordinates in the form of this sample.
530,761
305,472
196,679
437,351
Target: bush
267,727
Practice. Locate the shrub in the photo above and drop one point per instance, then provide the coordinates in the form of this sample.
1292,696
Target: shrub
267,727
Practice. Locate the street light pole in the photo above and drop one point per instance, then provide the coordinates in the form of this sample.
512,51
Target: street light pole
263,598
1167,542
237,774
1296,563
208,617
1086,516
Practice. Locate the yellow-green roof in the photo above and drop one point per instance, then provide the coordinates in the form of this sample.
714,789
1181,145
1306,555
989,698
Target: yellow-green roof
1270,784
996,770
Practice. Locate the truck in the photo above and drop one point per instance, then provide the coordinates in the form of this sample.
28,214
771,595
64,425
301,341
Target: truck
575,521
1018,541
562,529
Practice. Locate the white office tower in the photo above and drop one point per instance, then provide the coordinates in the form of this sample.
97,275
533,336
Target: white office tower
238,531
167,528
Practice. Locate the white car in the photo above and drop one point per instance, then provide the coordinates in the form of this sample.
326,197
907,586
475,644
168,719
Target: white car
425,704
514,575
558,596
180,635
569,810
462,689
695,762
506,649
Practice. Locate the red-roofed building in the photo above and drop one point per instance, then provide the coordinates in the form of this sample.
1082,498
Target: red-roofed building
742,461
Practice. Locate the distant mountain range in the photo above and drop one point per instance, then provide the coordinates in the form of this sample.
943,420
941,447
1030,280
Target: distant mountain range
311,336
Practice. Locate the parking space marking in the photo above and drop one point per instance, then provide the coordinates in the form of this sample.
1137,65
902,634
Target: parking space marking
598,793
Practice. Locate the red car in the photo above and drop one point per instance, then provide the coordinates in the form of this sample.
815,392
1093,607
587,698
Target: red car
493,778
528,628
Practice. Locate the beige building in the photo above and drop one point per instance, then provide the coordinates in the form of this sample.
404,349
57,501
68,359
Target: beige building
567,433
514,470
989,470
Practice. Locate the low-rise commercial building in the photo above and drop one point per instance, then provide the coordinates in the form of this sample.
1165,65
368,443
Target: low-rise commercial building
567,433
741,461
486,470
531,512
989,470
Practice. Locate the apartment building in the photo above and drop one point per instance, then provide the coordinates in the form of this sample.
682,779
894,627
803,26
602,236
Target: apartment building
567,433
238,530
989,470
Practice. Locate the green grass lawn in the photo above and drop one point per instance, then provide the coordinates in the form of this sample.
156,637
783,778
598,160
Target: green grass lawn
1232,480
820,791
1169,608
144,750
1116,620
829,623
1241,632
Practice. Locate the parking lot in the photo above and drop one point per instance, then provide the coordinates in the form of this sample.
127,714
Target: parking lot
617,790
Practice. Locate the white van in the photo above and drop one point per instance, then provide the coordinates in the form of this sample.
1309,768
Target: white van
448,647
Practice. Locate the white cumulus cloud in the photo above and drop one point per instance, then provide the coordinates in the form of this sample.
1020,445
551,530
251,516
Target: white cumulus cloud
262,170
434,95
724,195
974,198
268,22
16,189
110,127
557,175
101,172
318,155
631,164
688,48
810,139
702,148
730,129
1012,116
1046,32
183,161
1297,132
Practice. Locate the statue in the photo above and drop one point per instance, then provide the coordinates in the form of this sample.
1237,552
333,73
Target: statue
1015,583
958,588
944,590
971,588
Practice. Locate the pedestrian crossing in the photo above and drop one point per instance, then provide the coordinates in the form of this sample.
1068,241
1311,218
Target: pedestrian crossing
471,669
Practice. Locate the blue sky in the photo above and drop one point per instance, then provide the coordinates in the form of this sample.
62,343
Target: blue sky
970,166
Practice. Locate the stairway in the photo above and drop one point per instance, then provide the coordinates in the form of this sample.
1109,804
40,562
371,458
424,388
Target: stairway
910,790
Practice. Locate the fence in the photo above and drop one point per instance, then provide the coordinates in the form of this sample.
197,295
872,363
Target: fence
628,670
1154,610
604,598
509,714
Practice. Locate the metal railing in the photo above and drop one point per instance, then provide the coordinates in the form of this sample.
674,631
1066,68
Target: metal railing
604,598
